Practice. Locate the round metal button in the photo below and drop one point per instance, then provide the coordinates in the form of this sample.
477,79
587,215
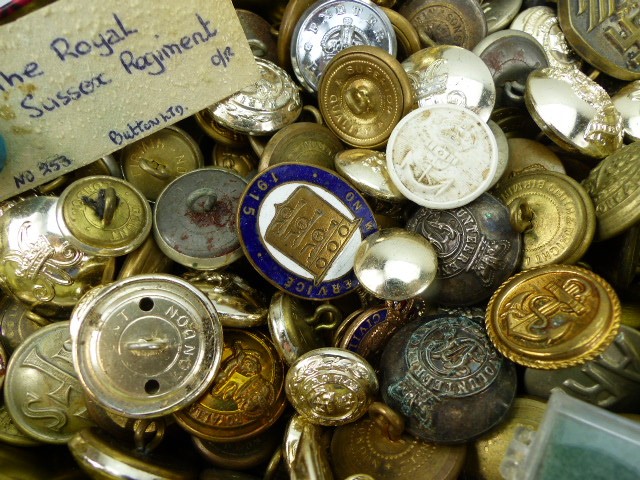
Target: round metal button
396,264
152,163
147,345
41,379
331,386
300,227
442,156
626,102
451,75
263,107
194,221
104,215
329,26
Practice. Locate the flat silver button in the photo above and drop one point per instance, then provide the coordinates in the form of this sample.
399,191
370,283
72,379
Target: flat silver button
147,345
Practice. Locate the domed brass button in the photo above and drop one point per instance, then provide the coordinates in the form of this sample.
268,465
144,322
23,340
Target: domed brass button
552,317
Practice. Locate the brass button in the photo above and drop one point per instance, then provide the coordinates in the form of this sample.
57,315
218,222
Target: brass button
552,317
241,160
258,33
363,94
614,186
554,212
147,345
263,107
604,34
574,111
41,376
152,163
302,142
104,215
396,264
442,156
221,135
194,221
297,428
527,155
250,453
10,434
247,395
17,323
290,16
406,34
40,267
331,386
447,74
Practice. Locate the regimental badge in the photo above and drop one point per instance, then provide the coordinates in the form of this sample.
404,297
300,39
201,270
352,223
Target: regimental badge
301,226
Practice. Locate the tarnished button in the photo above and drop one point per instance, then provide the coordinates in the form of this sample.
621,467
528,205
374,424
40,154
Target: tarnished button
17,323
442,156
329,26
258,33
363,94
247,395
40,267
152,163
542,24
102,456
41,378
626,102
249,453
9,433
367,170
194,221
604,34
296,328
300,226
526,156
303,142
593,382
574,111
238,304
500,13
263,107
395,264
367,333
147,345
377,446
459,22
477,248
241,160
445,377
217,132
552,317
331,386
614,186
104,215
451,75
511,56
485,454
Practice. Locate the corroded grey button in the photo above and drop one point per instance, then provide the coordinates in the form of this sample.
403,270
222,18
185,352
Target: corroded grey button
611,380
263,107
42,392
329,26
511,56
331,386
451,75
147,345
194,221
395,264
477,248
445,377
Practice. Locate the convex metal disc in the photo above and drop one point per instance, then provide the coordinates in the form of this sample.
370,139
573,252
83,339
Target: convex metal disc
41,378
194,221
263,107
147,345
329,26
104,215
445,377
396,264
574,111
626,102
447,74
300,226
552,317
442,156
364,92
331,386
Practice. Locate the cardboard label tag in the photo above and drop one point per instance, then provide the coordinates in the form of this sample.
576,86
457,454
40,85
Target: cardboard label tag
79,80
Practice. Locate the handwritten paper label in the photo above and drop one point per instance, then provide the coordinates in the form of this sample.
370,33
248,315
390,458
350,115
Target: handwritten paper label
80,79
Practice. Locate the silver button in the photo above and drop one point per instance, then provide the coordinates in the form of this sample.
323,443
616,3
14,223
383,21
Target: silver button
148,345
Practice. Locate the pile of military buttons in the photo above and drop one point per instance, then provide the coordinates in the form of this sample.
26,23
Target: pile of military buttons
376,262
